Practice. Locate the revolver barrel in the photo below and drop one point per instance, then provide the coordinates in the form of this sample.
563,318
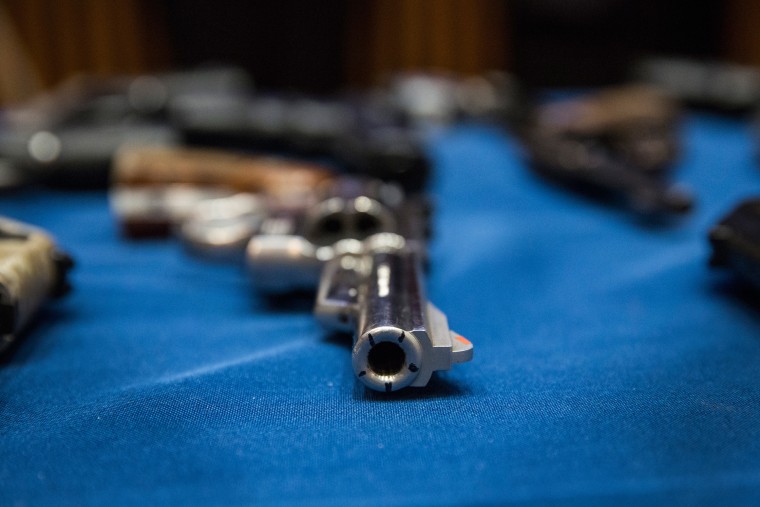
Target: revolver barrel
400,338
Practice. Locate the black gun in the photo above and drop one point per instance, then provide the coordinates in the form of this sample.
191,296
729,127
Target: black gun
620,143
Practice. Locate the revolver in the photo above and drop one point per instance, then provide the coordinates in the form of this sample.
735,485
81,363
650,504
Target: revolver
620,142
361,245
155,189
32,269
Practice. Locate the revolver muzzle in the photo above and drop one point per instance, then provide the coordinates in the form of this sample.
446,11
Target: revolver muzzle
387,358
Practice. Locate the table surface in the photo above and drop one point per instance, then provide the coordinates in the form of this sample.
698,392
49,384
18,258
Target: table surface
611,367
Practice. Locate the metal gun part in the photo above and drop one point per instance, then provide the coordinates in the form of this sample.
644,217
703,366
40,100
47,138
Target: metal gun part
400,338
290,248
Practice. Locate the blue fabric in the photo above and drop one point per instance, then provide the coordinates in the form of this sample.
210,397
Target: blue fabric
611,367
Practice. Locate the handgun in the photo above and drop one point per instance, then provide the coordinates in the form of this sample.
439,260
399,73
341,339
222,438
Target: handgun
378,134
355,135
68,136
360,244
362,247
716,85
155,189
32,269
425,99
619,142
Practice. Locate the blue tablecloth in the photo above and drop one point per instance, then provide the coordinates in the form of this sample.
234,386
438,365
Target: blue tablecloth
610,365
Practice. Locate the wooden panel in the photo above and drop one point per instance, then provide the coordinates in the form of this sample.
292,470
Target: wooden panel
66,37
742,31
18,78
461,36
442,23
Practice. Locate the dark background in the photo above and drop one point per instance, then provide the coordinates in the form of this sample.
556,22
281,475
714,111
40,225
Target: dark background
590,42
325,46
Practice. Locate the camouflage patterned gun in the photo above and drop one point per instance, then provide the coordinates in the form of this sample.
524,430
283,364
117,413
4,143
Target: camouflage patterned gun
32,269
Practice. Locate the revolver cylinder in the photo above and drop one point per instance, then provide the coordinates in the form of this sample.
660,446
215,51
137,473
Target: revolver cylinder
292,245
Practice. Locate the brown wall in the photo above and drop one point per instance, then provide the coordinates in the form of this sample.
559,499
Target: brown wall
742,32
463,36
64,37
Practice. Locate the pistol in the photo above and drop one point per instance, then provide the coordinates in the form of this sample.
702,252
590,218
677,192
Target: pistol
32,269
361,245
619,142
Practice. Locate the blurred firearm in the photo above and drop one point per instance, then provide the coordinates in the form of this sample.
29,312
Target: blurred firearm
378,134
620,142
720,86
155,189
32,269
69,136
356,138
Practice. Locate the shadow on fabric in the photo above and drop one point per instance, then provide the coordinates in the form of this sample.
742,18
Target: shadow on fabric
35,336
737,291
